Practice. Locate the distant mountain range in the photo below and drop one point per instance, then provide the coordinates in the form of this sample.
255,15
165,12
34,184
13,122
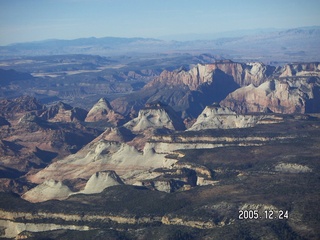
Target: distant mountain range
299,44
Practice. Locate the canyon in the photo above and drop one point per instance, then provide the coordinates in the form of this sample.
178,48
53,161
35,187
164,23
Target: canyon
99,147
163,168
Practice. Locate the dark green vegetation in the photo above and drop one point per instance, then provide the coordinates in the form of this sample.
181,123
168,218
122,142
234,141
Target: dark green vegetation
248,178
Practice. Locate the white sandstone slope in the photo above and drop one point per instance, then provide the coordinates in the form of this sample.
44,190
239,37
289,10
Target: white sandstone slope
100,156
292,168
102,111
214,117
49,189
155,115
101,180
99,162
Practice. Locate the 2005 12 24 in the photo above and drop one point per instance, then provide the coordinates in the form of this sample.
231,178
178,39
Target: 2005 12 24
267,214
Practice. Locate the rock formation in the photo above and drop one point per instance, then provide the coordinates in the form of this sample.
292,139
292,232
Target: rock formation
294,88
115,134
285,95
49,189
155,115
14,109
101,180
214,117
100,156
292,168
28,141
242,74
102,111
189,91
62,112
300,69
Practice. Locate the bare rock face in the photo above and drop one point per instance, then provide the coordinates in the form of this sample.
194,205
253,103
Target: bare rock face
214,117
163,185
285,95
62,112
29,118
29,141
100,181
102,111
100,156
243,74
34,143
171,180
157,116
14,109
49,189
292,168
256,73
301,69
189,91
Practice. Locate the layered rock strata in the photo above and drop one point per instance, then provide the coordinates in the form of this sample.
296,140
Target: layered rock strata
214,117
155,115
102,111
286,95
62,112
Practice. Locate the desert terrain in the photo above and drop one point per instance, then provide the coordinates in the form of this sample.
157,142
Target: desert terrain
165,141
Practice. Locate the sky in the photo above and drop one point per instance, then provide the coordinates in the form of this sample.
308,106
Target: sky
34,20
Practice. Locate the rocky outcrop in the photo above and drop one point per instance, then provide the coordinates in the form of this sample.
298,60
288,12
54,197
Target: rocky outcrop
138,166
242,74
285,95
15,229
163,185
171,180
101,180
49,189
189,91
292,168
28,141
210,138
300,69
34,142
115,134
11,225
215,116
62,112
102,156
155,115
14,109
29,119
102,111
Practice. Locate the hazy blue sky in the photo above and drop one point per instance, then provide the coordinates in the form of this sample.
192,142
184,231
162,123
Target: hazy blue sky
29,20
